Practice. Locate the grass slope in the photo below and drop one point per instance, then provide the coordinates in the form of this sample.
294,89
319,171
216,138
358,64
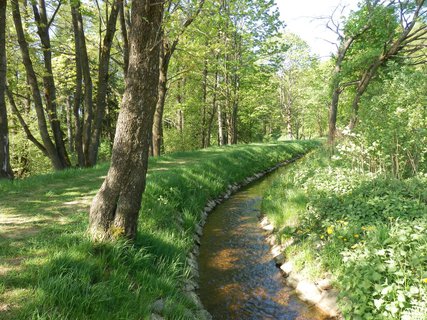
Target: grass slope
50,270
369,230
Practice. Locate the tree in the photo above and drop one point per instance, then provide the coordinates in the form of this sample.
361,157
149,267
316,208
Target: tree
5,168
114,210
294,61
409,12
358,23
103,70
55,151
167,49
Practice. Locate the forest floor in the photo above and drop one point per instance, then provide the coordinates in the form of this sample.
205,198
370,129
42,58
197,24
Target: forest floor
369,231
49,269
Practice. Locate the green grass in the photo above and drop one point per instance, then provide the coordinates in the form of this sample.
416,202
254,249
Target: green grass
50,270
369,231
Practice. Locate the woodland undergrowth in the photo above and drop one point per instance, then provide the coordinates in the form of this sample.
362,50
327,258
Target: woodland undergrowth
369,230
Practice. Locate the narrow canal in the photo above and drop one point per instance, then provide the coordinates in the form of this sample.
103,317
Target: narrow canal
238,277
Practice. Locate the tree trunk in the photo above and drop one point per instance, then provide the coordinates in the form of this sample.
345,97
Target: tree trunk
157,134
86,125
77,110
49,83
221,138
101,95
51,150
336,90
166,51
404,40
204,106
289,121
114,210
5,168
69,113
213,111
123,28
232,132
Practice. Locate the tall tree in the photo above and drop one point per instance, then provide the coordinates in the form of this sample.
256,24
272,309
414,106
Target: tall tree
409,13
5,168
356,26
56,154
43,27
89,116
114,210
167,49
103,70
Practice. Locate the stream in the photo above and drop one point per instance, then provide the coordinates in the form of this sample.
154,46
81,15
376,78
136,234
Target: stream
238,277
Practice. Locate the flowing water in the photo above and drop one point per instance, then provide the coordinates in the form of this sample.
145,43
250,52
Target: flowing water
238,277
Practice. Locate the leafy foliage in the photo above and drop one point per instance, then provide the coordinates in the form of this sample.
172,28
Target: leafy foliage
368,230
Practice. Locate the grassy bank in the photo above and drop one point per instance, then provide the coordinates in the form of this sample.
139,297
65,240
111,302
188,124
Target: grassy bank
369,231
50,270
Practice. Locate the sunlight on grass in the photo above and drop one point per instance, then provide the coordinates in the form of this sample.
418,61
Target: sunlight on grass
60,274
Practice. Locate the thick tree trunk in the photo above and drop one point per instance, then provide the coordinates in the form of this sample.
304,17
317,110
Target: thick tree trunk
51,150
114,210
101,95
49,82
5,168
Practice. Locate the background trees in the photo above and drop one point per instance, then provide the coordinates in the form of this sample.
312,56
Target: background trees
230,73
381,73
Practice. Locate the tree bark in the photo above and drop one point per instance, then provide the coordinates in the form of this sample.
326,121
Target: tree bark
101,95
70,135
51,150
213,111
114,210
204,104
336,90
86,125
221,138
77,101
123,28
5,168
157,135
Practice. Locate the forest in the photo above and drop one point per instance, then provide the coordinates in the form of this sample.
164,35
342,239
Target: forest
107,102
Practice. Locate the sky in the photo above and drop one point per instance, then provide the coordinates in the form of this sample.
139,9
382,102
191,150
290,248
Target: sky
302,18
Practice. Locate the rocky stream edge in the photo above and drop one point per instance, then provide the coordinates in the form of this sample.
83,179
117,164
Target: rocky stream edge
319,293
